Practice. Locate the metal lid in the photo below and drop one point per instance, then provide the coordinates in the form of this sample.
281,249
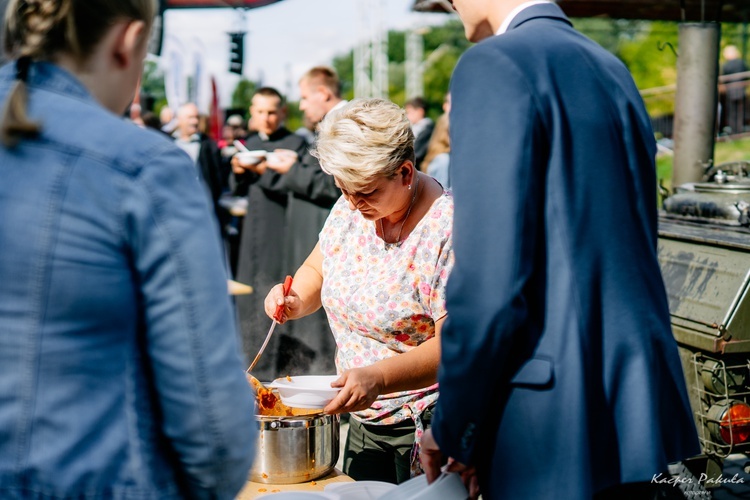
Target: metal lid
741,187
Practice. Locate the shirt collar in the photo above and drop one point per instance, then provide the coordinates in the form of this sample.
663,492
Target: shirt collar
339,104
47,75
513,13
193,138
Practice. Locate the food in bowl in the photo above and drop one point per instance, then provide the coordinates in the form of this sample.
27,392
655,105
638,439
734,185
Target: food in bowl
306,391
268,403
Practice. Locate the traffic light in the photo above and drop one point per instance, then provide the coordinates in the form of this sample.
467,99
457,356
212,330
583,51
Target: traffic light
236,52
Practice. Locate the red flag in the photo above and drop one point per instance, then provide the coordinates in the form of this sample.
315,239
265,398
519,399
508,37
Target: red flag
216,118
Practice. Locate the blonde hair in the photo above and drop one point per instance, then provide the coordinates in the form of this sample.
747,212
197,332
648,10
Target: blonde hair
440,142
39,29
364,140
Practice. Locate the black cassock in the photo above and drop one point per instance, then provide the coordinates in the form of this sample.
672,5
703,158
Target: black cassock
285,213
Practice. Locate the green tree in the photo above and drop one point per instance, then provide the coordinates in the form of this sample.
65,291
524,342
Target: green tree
344,66
294,118
443,45
243,94
152,85
648,49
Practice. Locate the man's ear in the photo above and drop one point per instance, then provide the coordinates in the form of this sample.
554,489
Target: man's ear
129,40
326,93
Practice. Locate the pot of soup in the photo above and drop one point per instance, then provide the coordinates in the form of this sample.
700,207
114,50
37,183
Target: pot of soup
295,445
295,449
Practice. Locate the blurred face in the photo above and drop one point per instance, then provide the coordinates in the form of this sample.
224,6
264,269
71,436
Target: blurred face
187,120
166,115
266,114
382,197
315,101
414,114
475,16
227,133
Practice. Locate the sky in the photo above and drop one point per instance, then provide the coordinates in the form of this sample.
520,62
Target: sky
283,40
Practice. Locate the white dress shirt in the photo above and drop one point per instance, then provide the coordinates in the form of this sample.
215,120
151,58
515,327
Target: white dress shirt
513,13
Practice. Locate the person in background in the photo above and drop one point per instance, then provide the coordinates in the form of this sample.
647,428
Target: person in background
307,346
237,125
437,161
205,156
379,272
735,88
168,120
422,126
307,130
559,374
265,236
151,120
120,375
447,103
233,130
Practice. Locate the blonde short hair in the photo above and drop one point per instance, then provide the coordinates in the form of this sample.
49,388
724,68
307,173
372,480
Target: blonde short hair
364,140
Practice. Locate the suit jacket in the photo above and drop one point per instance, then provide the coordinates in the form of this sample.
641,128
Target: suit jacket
209,160
559,374
209,165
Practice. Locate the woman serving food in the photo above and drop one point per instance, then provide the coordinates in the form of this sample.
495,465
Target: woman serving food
379,270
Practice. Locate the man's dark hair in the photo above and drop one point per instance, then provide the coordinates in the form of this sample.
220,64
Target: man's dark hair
417,102
270,92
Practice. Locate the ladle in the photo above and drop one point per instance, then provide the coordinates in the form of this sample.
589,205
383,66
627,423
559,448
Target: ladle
276,318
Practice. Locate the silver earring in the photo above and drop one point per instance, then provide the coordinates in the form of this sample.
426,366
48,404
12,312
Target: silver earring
409,186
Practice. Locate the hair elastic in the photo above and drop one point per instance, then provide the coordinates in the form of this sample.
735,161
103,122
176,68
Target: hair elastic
22,68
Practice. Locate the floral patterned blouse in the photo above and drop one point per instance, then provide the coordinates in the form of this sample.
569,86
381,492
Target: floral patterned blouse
383,300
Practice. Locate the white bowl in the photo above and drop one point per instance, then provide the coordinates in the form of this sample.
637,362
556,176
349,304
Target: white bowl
247,158
448,486
306,391
273,158
301,495
360,490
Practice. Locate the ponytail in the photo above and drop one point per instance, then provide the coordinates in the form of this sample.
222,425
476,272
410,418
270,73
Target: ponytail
15,123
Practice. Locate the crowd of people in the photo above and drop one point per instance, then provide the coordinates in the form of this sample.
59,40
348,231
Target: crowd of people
481,317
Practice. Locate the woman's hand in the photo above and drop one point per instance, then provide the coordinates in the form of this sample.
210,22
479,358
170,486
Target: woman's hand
292,303
360,388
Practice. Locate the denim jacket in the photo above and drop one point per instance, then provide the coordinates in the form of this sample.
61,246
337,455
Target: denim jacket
120,373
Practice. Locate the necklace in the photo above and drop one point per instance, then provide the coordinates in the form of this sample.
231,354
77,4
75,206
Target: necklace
398,242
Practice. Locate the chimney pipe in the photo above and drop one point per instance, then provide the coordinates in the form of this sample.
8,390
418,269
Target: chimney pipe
695,100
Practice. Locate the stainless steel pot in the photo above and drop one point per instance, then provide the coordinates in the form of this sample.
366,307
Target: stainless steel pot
295,449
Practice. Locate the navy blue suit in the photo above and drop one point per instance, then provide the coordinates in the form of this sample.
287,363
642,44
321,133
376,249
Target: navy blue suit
559,375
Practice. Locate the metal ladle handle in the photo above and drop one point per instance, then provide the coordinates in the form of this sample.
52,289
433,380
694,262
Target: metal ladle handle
276,318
